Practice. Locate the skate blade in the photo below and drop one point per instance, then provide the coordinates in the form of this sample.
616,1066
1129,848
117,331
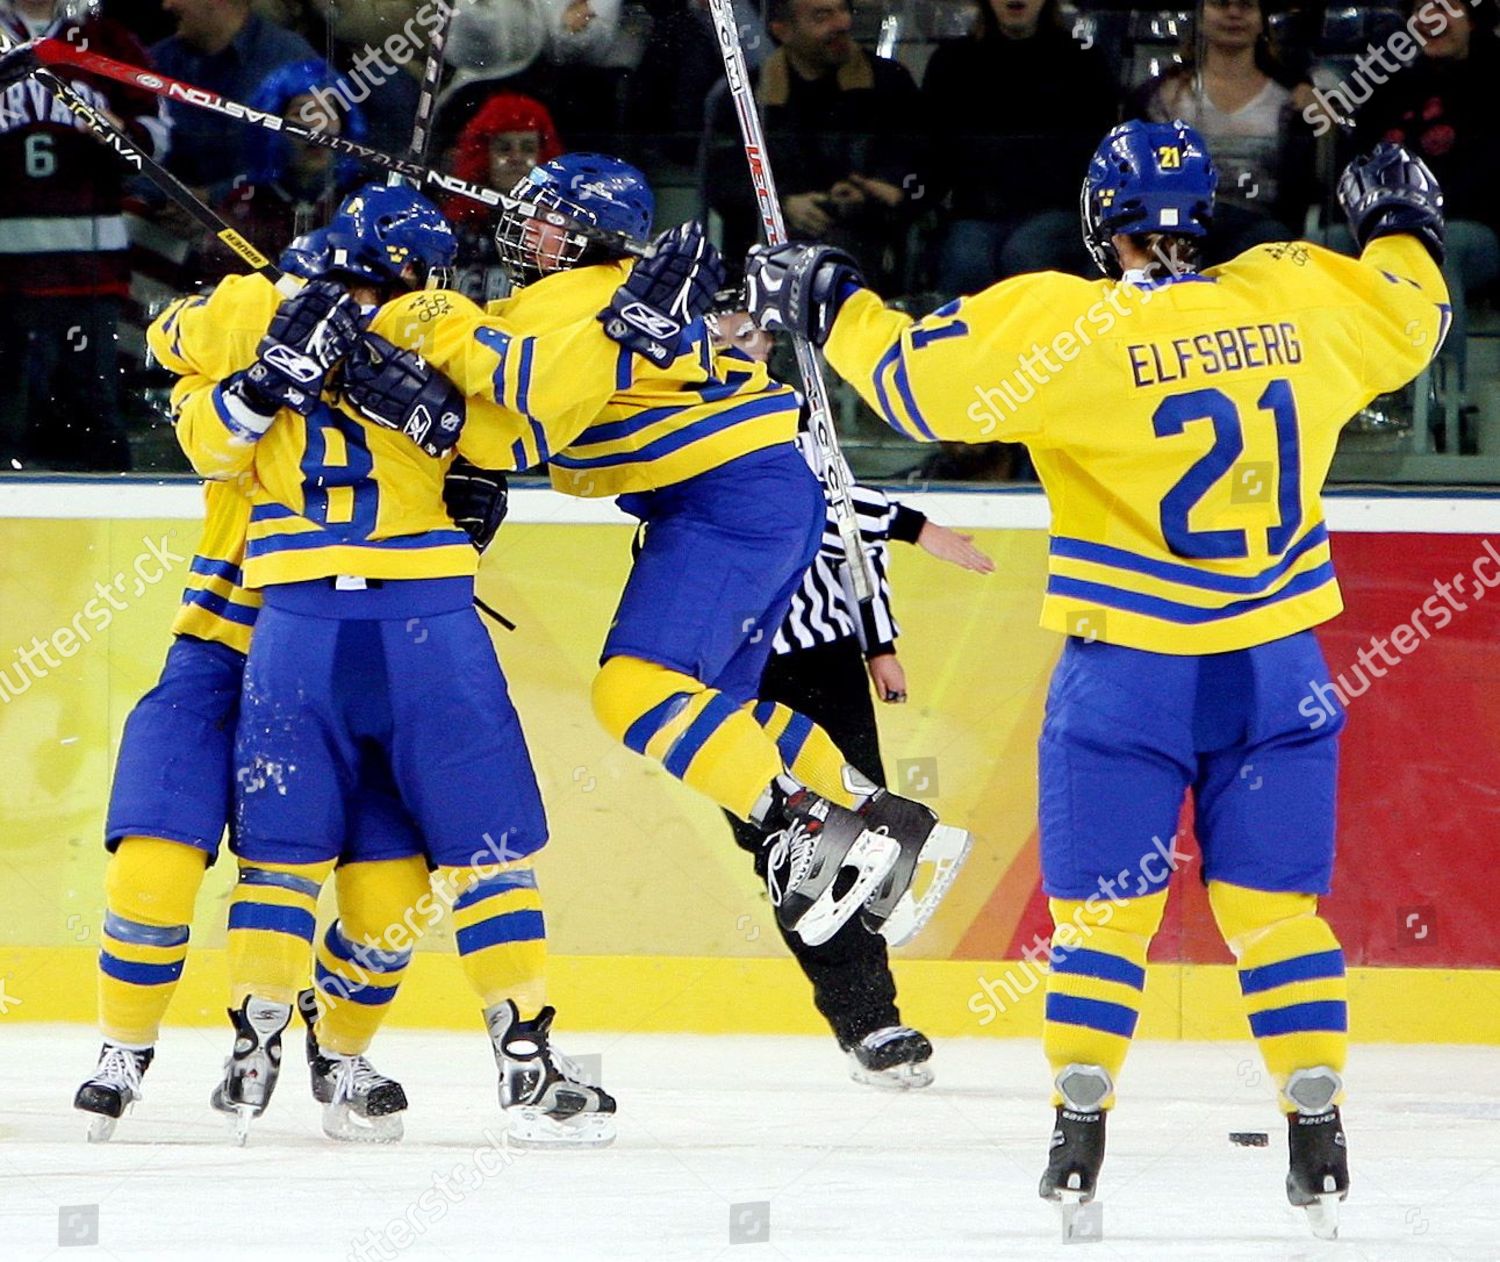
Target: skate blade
340,1122
896,1078
102,1129
1323,1215
944,853
530,1128
873,855
240,1117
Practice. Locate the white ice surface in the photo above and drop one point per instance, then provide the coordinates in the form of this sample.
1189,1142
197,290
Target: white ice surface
707,1124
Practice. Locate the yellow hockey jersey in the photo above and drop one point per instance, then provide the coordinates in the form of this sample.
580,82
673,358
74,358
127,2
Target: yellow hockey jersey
216,604
1182,430
606,422
332,494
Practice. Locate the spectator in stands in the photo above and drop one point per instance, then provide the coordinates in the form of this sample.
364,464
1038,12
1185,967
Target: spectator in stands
223,46
62,234
843,131
1442,107
1250,113
290,187
498,147
1015,111
670,91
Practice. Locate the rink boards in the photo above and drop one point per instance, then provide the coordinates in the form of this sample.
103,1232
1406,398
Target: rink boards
654,916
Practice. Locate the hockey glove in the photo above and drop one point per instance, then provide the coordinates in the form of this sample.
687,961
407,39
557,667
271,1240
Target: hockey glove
477,500
310,332
800,287
399,390
1392,191
664,294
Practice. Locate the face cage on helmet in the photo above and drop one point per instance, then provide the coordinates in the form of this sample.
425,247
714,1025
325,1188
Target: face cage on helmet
1101,249
532,202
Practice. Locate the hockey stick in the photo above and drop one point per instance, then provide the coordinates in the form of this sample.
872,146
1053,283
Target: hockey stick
55,52
432,74
835,471
140,161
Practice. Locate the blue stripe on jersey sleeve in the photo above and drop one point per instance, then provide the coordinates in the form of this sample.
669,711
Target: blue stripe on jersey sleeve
622,370
1171,610
523,379
1188,575
221,606
218,569
882,396
498,342
903,387
689,434
609,431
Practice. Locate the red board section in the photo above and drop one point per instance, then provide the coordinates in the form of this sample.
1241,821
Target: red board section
1419,783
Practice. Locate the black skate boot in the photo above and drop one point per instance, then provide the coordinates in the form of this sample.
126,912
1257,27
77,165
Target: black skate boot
896,1056
823,865
115,1087
360,1104
1077,1136
252,1068
1318,1177
547,1098
893,911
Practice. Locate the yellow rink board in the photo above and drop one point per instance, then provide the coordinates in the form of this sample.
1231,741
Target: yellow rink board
717,995
655,918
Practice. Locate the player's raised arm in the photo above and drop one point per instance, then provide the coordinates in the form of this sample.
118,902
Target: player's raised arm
1400,301
925,378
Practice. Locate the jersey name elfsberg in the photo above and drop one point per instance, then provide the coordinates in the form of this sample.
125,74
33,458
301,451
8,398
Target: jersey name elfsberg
1232,349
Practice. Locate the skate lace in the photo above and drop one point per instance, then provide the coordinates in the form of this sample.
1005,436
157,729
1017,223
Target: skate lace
791,856
355,1078
119,1068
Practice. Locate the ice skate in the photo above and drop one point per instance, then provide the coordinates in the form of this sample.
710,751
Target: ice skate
1318,1177
360,1104
250,1072
547,1098
893,1057
928,848
114,1088
1077,1136
824,865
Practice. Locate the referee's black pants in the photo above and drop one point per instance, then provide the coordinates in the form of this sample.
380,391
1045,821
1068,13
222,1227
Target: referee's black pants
850,973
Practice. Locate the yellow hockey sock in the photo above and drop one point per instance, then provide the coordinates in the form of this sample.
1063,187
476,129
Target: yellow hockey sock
807,751
1291,975
150,886
1097,977
501,934
698,734
272,918
363,956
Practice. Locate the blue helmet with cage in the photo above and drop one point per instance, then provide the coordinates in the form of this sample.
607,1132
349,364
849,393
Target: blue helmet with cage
377,234
1143,178
540,236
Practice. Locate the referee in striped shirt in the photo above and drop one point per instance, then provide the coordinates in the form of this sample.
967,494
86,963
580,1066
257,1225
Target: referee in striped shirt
818,667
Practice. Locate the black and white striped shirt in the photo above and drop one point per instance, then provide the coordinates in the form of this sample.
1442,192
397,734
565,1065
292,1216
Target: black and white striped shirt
824,608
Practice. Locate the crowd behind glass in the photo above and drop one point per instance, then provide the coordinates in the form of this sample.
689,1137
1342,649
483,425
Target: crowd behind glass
941,141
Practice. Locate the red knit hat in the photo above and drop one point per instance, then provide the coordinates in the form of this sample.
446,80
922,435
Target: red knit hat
503,112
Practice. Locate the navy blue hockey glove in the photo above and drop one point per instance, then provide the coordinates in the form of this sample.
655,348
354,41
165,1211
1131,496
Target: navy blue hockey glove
310,332
477,500
800,287
398,389
664,294
1391,191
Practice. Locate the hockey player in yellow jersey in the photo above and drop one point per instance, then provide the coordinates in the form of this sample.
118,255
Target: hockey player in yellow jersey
607,368
1182,424
375,728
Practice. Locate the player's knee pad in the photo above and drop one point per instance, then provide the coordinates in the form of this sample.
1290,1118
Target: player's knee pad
154,882
1245,915
386,901
633,698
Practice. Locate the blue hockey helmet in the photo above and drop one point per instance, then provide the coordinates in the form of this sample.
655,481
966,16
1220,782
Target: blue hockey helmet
1146,177
377,234
592,189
